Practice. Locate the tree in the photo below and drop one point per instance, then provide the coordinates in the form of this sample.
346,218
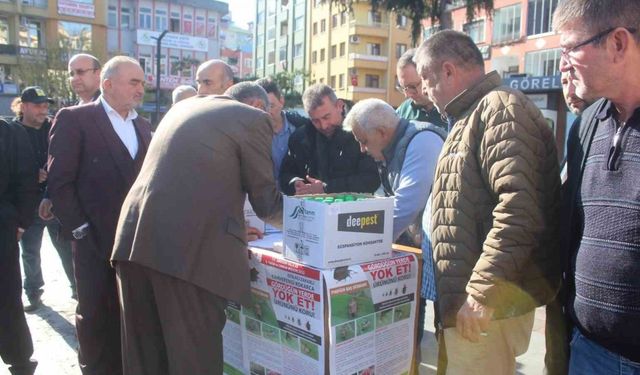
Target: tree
287,82
417,10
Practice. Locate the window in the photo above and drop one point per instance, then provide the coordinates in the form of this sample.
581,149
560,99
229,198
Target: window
161,20
30,34
125,18
400,49
401,21
297,50
284,28
212,26
373,49
375,17
260,18
342,48
200,29
163,65
428,31
76,36
146,63
112,17
341,81
298,23
332,82
315,28
271,57
174,22
271,33
187,24
475,30
4,31
334,21
343,18
372,80
334,51
314,57
187,66
506,24
542,63
539,15
282,54
174,63
321,80
323,26
260,63
247,63
144,18
271,8
322,55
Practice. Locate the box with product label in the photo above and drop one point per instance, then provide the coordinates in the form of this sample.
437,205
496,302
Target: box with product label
358,319
251,219
335,230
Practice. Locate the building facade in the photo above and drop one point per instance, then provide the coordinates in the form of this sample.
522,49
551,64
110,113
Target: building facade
356,53
281,36
237,49
32,30
193,37
518,42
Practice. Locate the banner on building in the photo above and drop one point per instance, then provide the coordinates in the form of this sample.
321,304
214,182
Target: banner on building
77,8
172,40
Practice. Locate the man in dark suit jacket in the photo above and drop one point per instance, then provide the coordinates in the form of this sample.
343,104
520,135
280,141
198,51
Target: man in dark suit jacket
18,199
181,248
95,153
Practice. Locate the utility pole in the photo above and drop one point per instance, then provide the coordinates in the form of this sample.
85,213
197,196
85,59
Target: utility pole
158,54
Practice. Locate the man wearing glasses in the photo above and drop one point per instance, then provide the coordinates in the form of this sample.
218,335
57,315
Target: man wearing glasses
601,55
84,75
417,107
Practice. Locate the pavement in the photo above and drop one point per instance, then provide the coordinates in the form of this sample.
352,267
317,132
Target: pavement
54,339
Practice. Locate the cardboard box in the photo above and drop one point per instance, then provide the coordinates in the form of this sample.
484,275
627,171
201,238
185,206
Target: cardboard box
303,320
251,218
333,235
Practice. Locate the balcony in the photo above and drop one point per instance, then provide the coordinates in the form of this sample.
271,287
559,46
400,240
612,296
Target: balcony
358,60
377,29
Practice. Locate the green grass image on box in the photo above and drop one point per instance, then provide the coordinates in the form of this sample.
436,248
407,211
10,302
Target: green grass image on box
290,340
365,325
271,333
345,332
384,317
230,370
401,312
340,312
233,315
309,349
261,309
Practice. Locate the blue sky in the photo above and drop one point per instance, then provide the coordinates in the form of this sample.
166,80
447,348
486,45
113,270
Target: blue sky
242,11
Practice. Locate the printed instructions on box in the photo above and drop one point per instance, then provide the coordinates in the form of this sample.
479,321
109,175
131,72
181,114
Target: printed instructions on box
284,324
372,316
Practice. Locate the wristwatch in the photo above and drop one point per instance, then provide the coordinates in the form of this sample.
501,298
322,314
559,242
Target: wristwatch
81,232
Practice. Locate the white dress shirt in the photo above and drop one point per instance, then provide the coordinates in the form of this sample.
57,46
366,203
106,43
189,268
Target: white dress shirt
123,127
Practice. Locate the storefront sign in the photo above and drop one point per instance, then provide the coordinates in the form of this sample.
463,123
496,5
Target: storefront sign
172,40
169,82
533,84
77,8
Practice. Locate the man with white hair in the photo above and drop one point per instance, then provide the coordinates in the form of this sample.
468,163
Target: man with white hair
214,77
182,92
95,153
406,153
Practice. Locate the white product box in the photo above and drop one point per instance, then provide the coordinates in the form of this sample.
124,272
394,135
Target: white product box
329,235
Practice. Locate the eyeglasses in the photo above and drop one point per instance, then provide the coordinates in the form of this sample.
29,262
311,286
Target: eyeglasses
413,87
80,72
566,51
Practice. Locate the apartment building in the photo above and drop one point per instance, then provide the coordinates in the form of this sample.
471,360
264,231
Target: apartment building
30,30
517,42
356,53
237,49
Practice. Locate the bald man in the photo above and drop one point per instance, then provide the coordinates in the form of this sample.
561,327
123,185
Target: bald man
214,77
84,75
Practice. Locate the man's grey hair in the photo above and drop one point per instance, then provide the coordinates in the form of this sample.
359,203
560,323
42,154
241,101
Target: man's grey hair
111,67
182,92
94,60
245,92
371,114
407,58
314,96
448,45
598,15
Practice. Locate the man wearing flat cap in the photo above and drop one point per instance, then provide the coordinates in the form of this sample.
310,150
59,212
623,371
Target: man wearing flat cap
33,115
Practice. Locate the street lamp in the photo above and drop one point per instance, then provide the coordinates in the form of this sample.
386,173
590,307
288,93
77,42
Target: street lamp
158,47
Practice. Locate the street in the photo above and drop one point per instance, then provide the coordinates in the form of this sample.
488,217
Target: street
52,328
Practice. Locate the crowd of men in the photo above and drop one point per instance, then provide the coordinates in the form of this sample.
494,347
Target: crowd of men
151,233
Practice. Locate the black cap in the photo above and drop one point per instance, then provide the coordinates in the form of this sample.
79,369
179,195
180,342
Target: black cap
34,94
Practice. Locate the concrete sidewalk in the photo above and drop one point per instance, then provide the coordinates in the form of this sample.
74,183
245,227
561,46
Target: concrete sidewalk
54,340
